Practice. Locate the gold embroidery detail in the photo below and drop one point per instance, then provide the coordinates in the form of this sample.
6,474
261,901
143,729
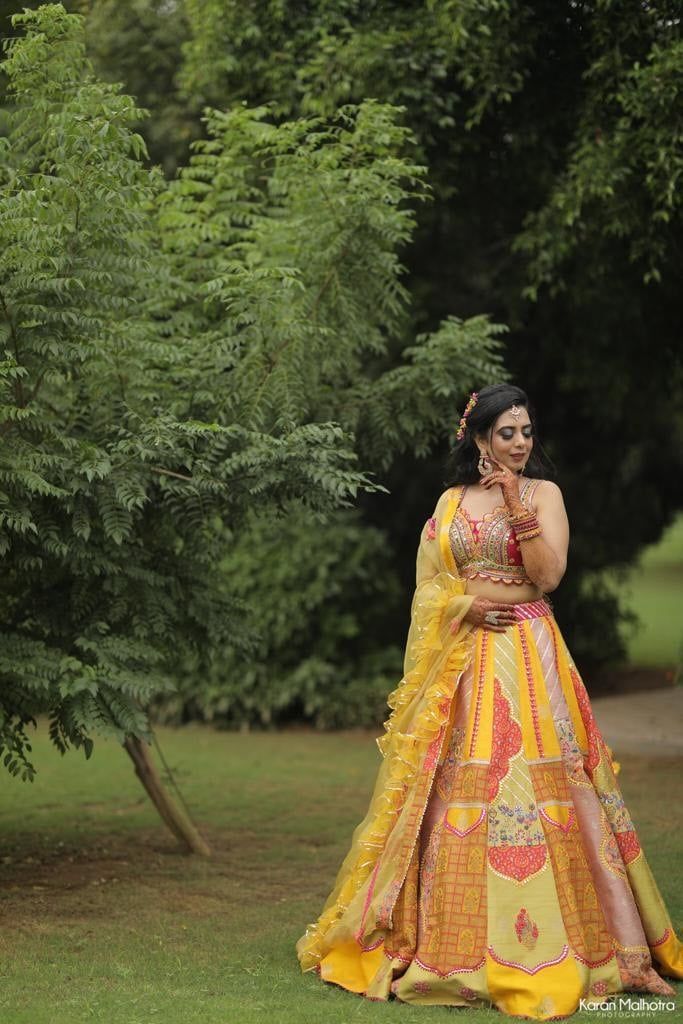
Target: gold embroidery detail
550,783
410,893
470,902
475,861
486,555
562,858
590,934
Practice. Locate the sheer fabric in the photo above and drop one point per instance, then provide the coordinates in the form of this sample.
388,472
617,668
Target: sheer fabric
498,863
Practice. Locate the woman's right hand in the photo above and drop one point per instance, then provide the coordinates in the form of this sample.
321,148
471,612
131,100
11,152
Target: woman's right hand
481,606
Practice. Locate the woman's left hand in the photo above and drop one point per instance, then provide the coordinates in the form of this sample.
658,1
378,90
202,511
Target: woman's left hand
506,479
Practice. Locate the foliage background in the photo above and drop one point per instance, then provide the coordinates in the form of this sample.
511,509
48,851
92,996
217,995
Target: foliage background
513,214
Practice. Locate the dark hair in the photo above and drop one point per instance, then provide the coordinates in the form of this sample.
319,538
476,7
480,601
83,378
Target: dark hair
494,399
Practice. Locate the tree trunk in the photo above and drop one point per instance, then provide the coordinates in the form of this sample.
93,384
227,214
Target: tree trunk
174,816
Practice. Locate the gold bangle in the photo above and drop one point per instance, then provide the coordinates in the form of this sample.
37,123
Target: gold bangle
525,524
522,517
529,535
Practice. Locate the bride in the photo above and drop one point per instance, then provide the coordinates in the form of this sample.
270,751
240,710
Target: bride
497,864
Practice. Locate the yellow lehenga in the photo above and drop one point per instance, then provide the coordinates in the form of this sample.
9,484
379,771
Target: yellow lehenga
497,863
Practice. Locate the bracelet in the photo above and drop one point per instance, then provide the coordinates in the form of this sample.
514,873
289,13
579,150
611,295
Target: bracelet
529,535
526,525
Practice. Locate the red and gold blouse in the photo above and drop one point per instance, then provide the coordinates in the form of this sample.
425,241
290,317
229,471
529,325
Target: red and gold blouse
487,547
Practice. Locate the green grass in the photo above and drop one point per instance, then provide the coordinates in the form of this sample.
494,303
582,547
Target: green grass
652,589
105,920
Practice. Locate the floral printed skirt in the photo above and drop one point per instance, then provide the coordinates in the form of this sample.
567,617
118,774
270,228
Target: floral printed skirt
528,888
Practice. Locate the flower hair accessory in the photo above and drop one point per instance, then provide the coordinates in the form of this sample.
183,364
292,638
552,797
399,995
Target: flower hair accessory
468,409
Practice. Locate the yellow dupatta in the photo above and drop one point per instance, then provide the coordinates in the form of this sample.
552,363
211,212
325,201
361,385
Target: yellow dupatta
358,911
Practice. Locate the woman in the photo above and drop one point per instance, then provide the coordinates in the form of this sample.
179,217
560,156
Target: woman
497,863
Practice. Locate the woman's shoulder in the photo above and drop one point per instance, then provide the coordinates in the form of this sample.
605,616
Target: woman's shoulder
538,487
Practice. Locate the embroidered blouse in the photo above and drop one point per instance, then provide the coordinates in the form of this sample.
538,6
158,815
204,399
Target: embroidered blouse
487,547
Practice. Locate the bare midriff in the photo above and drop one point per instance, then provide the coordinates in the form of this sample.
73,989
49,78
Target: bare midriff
511,593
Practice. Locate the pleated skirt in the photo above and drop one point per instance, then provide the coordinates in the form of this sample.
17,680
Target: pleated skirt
528,889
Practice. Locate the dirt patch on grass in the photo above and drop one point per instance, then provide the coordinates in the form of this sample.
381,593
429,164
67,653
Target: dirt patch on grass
142,873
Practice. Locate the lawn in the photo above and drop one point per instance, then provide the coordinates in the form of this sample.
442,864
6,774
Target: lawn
653,589
105,920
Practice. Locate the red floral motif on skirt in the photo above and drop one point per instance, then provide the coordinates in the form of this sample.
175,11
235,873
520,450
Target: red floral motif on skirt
506,740
611,852
629,847
517,861
526,929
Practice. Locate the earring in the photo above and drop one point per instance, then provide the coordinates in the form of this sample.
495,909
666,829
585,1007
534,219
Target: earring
484,466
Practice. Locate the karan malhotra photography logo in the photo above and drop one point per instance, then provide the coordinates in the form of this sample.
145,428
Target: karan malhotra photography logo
637,1007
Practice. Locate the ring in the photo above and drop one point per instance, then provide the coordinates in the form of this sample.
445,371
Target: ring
491,617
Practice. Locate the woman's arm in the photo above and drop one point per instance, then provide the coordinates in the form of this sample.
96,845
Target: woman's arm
545,556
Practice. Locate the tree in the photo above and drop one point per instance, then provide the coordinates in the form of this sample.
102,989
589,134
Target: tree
551,132
296,233
179,357
110,505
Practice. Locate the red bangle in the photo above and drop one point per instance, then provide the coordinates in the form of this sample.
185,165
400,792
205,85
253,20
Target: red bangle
526,525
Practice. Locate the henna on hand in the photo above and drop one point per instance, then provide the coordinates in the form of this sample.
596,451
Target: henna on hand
481,606
508,483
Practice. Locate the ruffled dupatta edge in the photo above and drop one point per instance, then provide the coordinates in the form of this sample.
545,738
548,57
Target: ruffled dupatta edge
438,649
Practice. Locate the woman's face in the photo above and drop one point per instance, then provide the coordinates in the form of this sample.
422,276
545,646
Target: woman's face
511,441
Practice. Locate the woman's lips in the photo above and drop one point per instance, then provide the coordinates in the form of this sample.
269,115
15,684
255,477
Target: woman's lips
521,456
